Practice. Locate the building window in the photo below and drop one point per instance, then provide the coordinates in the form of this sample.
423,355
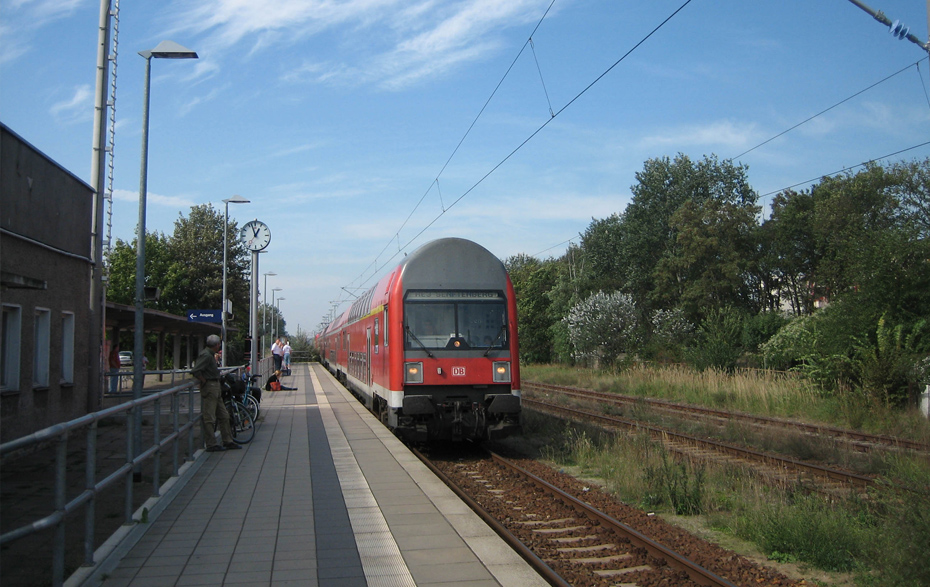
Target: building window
67,347
11,339
41,350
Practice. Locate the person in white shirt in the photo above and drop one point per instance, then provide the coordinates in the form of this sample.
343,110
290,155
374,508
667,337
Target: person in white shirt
277,351
287,356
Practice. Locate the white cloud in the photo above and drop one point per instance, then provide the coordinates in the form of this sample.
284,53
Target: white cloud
723,134
182,202
78,108
404,43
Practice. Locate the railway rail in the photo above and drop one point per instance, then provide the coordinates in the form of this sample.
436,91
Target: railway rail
778,470
593,541
860,441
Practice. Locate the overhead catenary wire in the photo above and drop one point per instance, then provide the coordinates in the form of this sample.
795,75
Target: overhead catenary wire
916,65
518,147
824,111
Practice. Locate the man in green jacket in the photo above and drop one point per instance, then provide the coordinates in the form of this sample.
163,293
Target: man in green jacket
211,402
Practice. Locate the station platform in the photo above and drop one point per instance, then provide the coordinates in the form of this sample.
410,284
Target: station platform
323,495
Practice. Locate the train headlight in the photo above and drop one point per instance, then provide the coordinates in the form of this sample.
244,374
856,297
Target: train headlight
413,373
501,372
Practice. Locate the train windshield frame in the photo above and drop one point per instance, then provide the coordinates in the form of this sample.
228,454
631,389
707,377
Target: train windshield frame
455,319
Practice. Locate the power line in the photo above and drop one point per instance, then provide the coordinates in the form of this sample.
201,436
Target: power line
915,64
846,169
518,147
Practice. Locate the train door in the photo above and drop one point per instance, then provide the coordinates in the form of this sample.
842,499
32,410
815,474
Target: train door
368,357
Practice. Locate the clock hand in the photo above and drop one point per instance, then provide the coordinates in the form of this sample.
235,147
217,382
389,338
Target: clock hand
255,231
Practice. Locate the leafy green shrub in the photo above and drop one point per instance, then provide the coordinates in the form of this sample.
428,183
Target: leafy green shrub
717,344
758,329
785,348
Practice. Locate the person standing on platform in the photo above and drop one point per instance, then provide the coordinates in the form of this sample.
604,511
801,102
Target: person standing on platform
212,410
114,367
287,357
277,352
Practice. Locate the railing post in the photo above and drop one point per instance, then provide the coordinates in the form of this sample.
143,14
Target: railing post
156,474
176,425
190,419
90,483
129,458
61,484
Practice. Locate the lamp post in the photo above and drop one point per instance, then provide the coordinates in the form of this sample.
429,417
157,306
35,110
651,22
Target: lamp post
273,329
277,316
264,303
237,199
164,50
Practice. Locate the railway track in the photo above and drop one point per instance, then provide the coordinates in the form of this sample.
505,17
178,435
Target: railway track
589,540
777,470
858,441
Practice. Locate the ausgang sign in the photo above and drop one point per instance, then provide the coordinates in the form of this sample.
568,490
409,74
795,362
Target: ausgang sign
204,316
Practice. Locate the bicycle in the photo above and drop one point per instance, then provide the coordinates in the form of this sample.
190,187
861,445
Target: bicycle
241,421
250,398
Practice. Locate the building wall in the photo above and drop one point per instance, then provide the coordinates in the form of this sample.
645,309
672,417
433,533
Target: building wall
45,244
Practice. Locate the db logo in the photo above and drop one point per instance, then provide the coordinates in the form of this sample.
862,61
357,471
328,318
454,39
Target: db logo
458,371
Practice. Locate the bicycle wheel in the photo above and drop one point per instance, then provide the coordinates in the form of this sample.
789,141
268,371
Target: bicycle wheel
252,405
240,422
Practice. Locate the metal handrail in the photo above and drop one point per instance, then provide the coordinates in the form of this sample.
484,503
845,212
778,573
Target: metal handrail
59,433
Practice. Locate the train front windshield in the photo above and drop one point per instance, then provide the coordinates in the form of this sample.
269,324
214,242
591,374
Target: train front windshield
455,320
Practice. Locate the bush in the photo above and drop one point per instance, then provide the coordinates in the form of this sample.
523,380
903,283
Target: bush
603,327
717,344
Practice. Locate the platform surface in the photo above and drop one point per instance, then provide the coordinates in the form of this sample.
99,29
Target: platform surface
323,495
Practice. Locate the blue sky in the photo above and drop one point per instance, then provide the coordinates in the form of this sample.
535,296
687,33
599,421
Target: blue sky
337,119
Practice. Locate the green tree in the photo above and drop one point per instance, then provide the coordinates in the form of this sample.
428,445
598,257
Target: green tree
603,266
790,250
121,288
532,280
650,229
712,261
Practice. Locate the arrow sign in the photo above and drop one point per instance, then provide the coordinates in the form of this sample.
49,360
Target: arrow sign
204,316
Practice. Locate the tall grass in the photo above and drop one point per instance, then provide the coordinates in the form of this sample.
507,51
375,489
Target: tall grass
882,538
755,391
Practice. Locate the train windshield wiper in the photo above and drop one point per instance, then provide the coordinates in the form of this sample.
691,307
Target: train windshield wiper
497,338
422,346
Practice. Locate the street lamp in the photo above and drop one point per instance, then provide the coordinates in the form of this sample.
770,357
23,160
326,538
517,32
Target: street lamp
273,329
277,316
164,50
264,303
237,199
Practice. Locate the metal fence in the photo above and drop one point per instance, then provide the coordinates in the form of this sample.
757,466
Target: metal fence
154,447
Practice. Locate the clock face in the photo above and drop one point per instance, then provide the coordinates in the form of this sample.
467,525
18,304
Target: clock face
255,235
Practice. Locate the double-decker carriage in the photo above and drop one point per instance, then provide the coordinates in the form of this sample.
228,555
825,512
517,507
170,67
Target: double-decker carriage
432,348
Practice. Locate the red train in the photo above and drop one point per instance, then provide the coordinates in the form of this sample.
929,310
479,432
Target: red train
432,348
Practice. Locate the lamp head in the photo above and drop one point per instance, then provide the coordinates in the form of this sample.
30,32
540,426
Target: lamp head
171,50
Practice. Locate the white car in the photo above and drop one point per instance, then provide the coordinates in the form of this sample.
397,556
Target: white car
125,358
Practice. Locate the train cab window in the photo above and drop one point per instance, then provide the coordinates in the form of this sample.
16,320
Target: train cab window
455,320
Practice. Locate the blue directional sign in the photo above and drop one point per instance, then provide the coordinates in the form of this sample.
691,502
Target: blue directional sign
204,316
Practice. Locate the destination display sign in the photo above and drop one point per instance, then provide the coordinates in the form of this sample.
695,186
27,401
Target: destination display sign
451,295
